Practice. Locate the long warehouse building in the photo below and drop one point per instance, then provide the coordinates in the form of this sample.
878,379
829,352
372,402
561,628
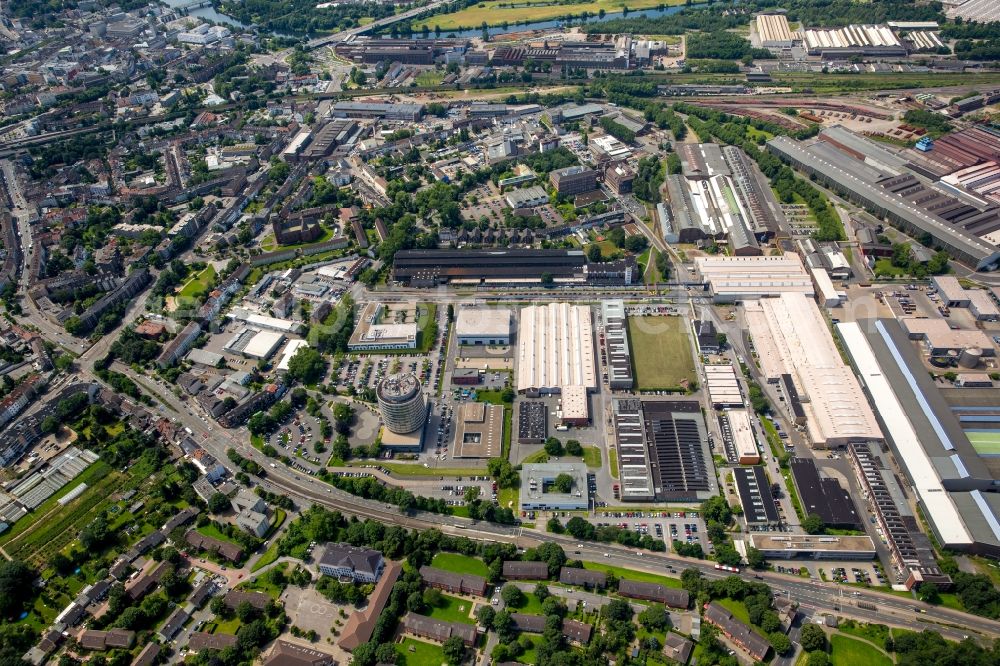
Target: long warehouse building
791,337
952,482
555,349
868,186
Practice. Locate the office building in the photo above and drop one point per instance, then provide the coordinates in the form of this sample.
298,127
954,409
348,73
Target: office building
401,403
539,494
573,180
483,326
341,560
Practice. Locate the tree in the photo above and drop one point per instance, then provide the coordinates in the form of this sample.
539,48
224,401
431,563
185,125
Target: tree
553,447
218,503
813,524
574,448
654,617
307,365
563,483
16,580
485,615
755,558
636,243
594,254
432,597
929,593
618,610
817,659
547,281
780,642
512,596
454,650
812,638
246,612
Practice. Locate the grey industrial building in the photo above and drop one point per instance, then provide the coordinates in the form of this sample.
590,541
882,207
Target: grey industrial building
538,494
663,451
401,112
755,496
953,483
824,496
900,197
532,422
617,361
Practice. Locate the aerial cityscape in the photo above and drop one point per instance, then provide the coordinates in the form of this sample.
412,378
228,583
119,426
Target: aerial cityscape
499,332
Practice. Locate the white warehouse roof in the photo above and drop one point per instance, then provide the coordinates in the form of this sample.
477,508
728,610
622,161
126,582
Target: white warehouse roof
555,348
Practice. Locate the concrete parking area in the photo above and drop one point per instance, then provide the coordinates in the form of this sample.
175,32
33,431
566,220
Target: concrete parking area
309,610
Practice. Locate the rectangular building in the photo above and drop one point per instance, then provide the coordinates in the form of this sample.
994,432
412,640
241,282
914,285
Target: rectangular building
734,279
755,496
813,546
555,349
617,359
573,180
453,582
668,596
824,496
514,570
341,560
483,326
478,430
539,494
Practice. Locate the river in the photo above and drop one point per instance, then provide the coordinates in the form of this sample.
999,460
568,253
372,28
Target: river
208,13
556,23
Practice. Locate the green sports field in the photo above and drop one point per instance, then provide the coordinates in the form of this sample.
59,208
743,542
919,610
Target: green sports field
986,442
661,352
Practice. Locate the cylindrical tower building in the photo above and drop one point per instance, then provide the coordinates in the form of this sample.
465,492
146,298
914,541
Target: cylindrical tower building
401,403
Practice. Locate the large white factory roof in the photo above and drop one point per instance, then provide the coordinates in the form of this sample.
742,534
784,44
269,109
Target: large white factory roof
735,278
263,344
933,497
852,36
264,321
791,337
773,29
555,348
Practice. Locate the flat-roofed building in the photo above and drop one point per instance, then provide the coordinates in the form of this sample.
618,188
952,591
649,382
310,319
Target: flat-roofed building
940,339
824,496
532,422
813,546
372,333
663,451
755,496
478,430
538,493
573,180
528,197
574,405
744,438
483,326
744,278
617,358
791,336
555,348
723,386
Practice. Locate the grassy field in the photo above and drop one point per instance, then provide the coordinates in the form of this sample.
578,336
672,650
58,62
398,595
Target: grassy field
539,456
211,530
496,12
846,651
263,583
652,274
509,498
735,607
199,284
429,78
531,605
640,576
613,462
462,564
661,353
418,653
270,555
453,609
403,469
592,456
530,656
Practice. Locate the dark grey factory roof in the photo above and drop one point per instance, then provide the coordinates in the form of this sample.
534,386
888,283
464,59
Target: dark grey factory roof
755,495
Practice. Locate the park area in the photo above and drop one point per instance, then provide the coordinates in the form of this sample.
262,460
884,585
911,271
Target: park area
460,564
661,353
418,653
504,12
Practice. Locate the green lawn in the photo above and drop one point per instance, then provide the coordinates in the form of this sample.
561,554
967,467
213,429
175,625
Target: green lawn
640,576
462,564
884,268
404,469
530,656
263,584
453,609
429,78
270,555
876,633
592,456
509,498
211,530
539,456
418,653
613,462
661,353
652,274
199,284
737,608
531,605
846,651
